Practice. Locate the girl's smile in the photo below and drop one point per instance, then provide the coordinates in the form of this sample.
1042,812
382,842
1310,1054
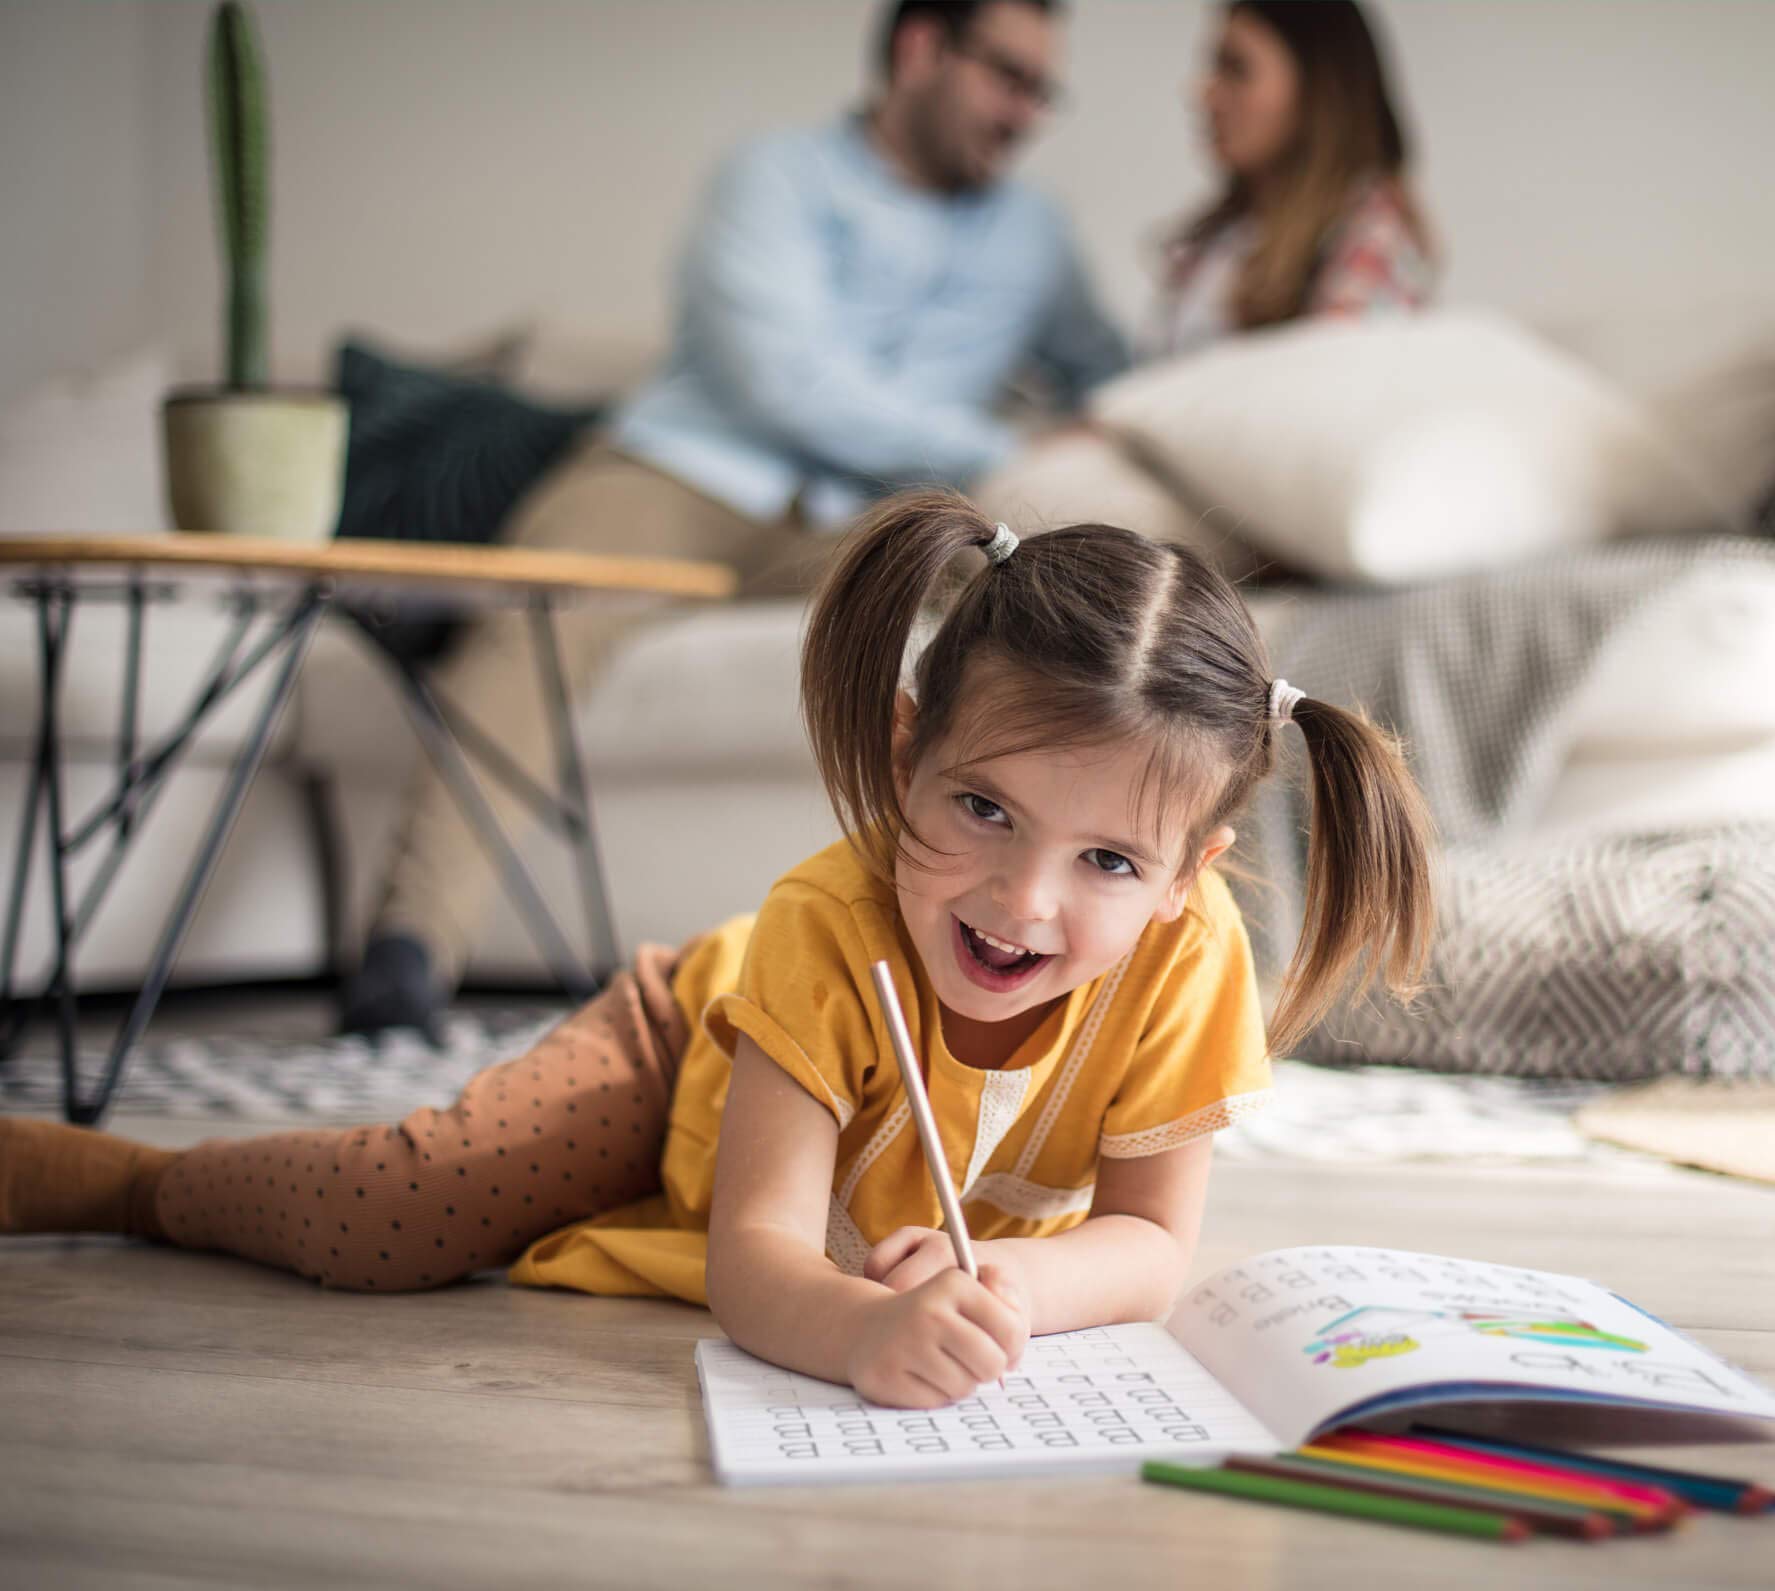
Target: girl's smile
992,963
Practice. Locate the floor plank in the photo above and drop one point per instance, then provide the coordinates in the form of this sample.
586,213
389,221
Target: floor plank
185,1419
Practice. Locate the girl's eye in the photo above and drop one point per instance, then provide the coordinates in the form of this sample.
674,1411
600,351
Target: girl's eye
1112,863
977,806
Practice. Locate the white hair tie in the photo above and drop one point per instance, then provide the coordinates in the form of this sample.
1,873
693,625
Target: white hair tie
1283,699
1003,544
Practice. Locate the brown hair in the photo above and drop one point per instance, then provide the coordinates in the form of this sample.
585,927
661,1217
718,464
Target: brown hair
955,17
1095,635
1348,133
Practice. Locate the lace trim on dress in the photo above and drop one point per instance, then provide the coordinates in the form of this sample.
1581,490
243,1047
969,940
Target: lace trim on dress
1001,1097
1030,1201
1081,1049
884,1135
1186,1129
846,1246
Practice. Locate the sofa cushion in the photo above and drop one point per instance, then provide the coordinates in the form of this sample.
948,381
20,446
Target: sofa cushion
437,455
701,691
1406,450
1614,957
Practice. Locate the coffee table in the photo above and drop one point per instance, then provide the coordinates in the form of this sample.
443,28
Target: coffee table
279,592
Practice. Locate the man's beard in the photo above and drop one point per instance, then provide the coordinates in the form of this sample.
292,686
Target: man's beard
939,155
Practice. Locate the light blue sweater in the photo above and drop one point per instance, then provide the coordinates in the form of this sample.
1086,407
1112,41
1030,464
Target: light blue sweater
840,333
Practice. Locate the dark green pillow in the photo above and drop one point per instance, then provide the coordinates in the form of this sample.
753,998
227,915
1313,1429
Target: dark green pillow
435,456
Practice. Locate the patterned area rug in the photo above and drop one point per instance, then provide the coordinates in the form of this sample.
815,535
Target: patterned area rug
1347,1115
346,1080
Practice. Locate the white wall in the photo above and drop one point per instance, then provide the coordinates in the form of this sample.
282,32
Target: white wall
74,185
441,168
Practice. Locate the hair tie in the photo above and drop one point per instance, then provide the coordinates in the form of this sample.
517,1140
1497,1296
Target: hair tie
1003,544
1283,699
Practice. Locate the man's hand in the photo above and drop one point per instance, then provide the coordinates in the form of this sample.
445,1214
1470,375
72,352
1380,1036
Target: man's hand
939,1341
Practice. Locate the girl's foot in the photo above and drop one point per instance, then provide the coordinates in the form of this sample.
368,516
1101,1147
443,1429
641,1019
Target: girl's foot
57,1178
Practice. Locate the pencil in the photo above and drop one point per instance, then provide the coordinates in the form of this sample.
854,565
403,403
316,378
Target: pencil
1642,1516
1706,1491
1339,1500
1416,1449
920,1102
1551,1518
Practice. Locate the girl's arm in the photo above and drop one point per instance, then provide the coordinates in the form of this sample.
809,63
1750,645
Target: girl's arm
1126,1261
778,1296
770,1283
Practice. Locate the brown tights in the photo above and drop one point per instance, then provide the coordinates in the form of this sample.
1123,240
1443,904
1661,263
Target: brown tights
568,1130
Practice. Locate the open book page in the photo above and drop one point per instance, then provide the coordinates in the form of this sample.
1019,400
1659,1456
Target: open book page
1306,1337
1104,1399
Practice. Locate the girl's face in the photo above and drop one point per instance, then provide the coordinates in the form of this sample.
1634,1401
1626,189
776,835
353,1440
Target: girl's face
1050,875
1251,96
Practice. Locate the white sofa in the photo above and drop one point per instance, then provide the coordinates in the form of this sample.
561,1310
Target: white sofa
703,787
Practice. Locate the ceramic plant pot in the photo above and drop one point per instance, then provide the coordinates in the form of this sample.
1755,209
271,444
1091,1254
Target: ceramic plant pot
268,464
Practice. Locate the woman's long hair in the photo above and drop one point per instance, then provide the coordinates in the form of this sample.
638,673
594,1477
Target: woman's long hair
1348,135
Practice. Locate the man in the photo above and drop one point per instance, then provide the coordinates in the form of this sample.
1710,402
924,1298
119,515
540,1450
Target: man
852,301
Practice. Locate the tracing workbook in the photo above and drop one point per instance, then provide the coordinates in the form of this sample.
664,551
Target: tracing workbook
1266,1354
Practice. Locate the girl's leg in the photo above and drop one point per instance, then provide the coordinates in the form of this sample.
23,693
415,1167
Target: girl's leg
570,1129
56,1178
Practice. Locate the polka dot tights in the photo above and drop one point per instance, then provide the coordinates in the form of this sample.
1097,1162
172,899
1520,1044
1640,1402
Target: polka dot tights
568,1130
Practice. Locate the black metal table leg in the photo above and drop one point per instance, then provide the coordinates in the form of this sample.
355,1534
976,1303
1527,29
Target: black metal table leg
15,1009
52,637
447,755
582,832
141,779
246,765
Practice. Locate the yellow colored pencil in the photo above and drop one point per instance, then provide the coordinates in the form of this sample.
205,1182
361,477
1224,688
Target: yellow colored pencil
1644,1515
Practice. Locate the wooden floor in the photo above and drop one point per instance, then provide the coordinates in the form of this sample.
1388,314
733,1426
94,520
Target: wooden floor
178,1419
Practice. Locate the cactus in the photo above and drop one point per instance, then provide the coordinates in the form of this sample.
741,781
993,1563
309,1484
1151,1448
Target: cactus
238,139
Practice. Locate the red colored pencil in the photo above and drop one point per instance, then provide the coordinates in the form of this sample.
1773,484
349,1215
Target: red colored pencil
1410,1448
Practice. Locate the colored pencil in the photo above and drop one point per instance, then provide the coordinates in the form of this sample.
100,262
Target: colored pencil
1520,1473
1640,1516
1706,1491
1338,1500
1418,1450
1554,1519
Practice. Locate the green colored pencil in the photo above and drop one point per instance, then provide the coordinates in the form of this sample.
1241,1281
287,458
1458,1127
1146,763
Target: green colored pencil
1338,1500
1557,1519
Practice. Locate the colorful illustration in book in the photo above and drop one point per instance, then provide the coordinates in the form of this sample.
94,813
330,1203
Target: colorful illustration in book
1377,1331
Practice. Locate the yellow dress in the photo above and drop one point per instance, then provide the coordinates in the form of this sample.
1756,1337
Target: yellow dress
1166,1046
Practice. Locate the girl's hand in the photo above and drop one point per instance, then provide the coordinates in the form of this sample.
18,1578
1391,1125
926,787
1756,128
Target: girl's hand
906,1258
937,1342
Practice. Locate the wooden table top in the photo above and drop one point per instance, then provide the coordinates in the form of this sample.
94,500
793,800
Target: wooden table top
377,562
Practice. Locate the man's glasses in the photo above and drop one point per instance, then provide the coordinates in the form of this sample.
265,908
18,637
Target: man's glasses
1015,78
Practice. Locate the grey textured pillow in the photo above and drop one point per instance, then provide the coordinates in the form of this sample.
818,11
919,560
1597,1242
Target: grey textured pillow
1616,958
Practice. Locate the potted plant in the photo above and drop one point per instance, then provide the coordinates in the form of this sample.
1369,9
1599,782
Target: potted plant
247,458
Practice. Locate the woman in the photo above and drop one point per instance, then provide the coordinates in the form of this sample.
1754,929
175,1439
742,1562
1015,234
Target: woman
1314,218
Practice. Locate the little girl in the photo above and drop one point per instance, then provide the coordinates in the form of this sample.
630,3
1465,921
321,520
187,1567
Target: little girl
1030,833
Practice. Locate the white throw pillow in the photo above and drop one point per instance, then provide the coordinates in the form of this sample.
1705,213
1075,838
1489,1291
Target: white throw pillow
84,457
1407,449
1085,477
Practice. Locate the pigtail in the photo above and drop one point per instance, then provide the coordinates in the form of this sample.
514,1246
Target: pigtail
852,655
1369,901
